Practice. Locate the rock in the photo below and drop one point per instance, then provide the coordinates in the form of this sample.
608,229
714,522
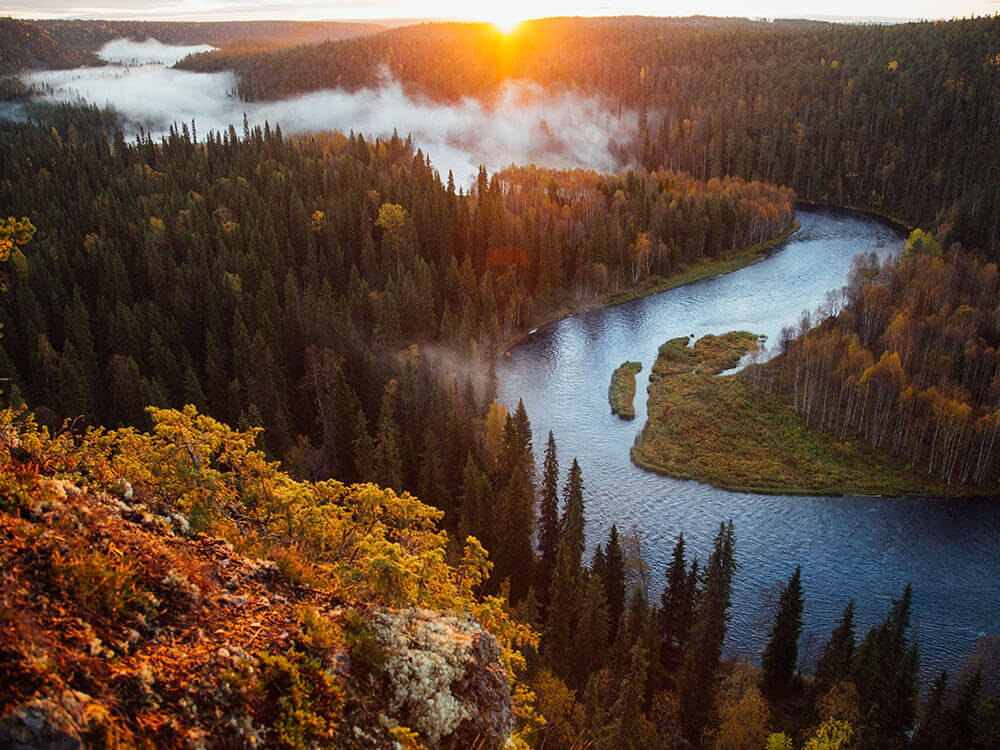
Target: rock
69,721
446,678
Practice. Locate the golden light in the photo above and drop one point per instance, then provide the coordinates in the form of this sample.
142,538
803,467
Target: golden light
506,23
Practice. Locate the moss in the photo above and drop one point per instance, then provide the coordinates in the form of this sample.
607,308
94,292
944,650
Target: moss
621,392
710,354
721,431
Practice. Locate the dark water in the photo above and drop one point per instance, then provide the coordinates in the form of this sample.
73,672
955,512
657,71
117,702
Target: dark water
861,547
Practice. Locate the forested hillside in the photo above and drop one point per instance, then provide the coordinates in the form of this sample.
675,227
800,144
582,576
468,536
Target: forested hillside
251,276
882,117
25,46
91,35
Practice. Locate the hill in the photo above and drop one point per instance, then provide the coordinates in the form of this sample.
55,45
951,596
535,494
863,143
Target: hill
903,120
91,35
174,587
25,46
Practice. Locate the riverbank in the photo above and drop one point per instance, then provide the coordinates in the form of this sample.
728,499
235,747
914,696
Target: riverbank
720,431
621,392
728,262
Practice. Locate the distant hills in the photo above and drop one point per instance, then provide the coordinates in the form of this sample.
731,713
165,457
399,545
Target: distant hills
91,35
25,46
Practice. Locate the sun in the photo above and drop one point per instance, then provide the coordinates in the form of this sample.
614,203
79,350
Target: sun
506,23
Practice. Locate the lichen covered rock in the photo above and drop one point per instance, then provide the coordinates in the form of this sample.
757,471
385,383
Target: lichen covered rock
445,677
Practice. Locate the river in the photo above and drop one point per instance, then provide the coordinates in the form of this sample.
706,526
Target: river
867,548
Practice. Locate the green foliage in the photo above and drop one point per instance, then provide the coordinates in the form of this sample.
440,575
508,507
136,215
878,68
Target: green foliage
307,698
781,655
366,653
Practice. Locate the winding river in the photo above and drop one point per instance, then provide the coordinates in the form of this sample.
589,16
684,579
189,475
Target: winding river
862,547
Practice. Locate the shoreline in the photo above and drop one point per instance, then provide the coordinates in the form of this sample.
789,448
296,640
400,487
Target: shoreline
731,261
721,432
645,465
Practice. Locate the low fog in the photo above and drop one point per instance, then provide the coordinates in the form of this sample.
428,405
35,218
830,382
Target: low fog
151,51
525,125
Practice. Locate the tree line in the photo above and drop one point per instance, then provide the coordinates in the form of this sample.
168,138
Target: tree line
906,358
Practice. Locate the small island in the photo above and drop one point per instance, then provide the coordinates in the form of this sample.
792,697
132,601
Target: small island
621,392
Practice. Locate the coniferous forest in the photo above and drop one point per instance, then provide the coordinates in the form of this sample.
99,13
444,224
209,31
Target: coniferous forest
257,488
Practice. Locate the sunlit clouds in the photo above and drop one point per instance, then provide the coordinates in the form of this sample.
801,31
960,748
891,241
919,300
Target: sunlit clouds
523,125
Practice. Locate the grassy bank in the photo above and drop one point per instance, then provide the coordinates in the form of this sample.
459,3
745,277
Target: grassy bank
728,262
720,431
621,392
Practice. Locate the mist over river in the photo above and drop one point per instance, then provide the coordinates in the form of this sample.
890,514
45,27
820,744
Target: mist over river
862,547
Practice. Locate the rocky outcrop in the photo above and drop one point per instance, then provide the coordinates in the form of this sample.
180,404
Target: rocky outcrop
445,678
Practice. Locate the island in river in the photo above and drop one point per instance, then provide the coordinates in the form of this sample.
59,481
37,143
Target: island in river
720,430
621,392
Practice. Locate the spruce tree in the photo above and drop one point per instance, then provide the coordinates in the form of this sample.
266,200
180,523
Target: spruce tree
548,519
933,730
834,664
572,519
672,603
614,581
563,614
696,684
781,654
885,674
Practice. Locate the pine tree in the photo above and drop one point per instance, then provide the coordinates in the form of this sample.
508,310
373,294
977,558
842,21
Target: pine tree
696,683
614,581
672,604
572,519
781,654
834,664
548,519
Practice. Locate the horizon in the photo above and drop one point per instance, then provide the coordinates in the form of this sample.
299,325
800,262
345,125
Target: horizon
366,12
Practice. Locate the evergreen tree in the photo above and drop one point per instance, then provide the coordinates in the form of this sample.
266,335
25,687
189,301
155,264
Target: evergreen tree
672,605
932,734
696,683
781,654
885,674
548,518
563,615
834,664
592,632
572,518
614,580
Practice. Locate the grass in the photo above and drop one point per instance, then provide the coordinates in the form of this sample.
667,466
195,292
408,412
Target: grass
721,431
710,354
621,392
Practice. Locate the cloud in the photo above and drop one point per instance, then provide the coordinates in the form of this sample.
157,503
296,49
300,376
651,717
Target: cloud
524,125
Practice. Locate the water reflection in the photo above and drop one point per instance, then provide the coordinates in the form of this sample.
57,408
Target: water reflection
867,548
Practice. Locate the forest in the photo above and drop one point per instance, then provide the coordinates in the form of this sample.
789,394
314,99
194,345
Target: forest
284,342
905,358
877,117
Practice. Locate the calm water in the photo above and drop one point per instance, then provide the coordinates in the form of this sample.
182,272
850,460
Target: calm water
864,547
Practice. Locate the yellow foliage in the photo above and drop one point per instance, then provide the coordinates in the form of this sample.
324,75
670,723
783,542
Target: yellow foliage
14,232
360,542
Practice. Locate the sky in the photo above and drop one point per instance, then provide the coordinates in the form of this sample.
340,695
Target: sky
504,12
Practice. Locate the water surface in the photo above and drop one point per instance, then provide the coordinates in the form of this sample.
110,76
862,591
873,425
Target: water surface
861,547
